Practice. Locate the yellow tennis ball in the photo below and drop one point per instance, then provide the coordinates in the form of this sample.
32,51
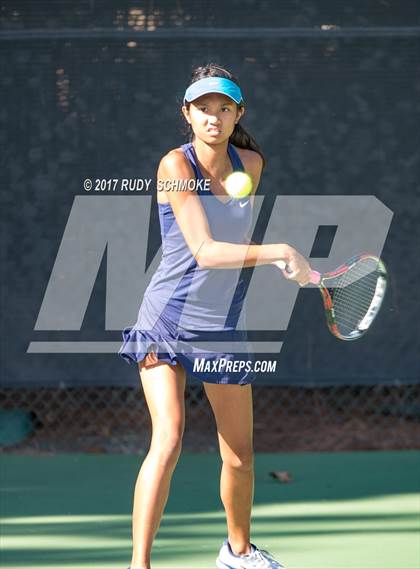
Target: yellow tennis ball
238,184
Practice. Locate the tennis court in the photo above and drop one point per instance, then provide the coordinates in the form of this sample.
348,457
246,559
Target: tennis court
340,511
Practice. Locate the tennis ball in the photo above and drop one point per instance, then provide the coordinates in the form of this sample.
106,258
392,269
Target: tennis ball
238,184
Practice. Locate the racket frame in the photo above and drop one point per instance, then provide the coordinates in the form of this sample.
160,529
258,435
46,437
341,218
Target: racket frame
328,301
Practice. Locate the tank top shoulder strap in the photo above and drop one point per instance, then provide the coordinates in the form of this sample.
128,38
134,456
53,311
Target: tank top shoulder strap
234,158
191,156
189,152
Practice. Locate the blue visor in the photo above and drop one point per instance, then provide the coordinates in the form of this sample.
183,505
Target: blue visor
213,85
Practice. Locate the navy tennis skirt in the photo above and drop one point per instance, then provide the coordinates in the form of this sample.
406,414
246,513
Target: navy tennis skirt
212,356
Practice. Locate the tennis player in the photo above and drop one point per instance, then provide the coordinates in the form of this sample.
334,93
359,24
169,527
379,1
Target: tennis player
194,297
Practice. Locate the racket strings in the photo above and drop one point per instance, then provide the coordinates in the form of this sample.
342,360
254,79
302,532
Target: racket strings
356,296
353,303
364,290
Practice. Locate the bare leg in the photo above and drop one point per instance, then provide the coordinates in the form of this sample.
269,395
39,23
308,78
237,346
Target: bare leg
232,407
163,387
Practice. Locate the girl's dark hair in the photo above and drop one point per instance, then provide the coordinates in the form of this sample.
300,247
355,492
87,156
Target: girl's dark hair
239,137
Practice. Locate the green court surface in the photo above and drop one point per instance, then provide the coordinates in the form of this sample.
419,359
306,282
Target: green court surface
356,510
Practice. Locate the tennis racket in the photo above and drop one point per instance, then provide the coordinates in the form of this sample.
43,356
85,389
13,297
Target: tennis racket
353,294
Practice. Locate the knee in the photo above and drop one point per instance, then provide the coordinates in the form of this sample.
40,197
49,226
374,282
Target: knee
242,461
167,444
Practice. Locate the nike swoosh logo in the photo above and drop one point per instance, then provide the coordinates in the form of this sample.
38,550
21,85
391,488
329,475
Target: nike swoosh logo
242,204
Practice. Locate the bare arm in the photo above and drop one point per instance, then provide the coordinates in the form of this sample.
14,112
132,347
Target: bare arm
221,255
192,221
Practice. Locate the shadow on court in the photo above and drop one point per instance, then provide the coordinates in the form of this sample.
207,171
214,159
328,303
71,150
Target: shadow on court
340,511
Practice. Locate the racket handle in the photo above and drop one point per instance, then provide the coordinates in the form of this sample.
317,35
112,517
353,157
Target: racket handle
314,276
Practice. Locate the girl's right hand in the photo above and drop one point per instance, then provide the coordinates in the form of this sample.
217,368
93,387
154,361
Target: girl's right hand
298,268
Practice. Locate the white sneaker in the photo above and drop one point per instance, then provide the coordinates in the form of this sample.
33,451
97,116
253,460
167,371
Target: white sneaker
257,559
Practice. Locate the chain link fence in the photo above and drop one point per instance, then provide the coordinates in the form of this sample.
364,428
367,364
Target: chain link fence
117,420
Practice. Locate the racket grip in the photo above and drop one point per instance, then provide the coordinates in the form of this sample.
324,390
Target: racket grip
314,277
